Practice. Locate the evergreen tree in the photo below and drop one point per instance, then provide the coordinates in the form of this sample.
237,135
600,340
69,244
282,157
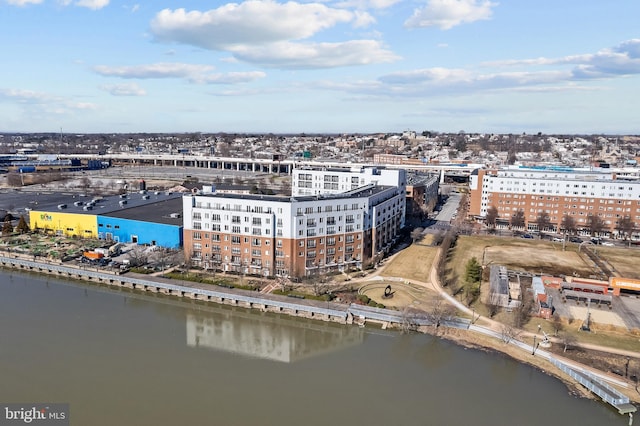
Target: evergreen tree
7,228
22,227
473,271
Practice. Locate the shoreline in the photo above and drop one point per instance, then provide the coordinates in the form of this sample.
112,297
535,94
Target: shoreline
470,340
461,337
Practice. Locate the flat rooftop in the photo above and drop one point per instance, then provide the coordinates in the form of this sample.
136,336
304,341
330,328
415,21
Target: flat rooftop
364,191
150,206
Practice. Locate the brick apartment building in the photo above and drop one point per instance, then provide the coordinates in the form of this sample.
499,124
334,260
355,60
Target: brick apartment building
558,191
293,236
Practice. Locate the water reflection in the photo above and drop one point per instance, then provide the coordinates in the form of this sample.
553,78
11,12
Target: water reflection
268,336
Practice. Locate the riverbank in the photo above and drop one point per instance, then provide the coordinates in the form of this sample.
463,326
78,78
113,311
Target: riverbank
472,340
325,311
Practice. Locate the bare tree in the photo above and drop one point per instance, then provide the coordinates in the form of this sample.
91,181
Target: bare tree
438,237
85,182
493,303
568,340
595,224
491,217
518,219
568,224
508,332
625,227
522,313
416,234
439,310
543,221
165,257
138,256
319,285
557,324
409,320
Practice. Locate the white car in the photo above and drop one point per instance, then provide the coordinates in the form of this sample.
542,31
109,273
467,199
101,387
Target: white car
607,243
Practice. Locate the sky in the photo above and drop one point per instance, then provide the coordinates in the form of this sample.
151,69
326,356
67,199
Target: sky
324,66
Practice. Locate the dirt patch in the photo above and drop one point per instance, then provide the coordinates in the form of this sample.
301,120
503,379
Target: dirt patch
537,259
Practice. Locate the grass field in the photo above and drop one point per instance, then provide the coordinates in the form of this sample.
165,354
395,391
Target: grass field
539,257
625,261
413,263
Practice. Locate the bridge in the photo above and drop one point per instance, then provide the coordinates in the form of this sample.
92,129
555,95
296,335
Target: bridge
260,165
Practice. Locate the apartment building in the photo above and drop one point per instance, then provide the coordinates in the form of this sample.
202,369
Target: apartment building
292,236
422,194
313,180
558,191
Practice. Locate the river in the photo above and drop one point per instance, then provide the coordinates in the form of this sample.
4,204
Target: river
119,357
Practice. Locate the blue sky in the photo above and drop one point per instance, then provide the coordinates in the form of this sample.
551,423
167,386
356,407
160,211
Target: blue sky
510,66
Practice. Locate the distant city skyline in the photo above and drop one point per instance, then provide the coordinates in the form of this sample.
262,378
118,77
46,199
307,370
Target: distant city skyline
343,66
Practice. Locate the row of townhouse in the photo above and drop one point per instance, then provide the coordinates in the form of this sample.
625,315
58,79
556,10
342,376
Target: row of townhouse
293,236
578,193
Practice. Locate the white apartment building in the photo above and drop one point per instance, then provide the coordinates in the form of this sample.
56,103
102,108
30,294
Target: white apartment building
292,236
313,180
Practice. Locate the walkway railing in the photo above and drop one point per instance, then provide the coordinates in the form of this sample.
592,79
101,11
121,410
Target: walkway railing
597,386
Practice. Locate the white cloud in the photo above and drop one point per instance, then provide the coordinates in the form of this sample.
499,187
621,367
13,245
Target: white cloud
200,74
623,59
447,14
124,89
427,74
252,22
316,55
269,33
23,2
89,4
83,106
92,4
363,19
537,75
24,96
231,77
158,70
367,4
38,102
441,81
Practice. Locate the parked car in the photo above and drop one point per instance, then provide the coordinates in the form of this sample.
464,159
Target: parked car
558,239
607,243
575,239
526,236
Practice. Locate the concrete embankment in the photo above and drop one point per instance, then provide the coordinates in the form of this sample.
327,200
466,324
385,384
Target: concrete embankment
324,311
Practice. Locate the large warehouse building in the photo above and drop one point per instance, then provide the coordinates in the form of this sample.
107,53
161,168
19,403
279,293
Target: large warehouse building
577,193
143,218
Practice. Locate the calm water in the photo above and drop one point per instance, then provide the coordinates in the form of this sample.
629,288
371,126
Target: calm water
121,358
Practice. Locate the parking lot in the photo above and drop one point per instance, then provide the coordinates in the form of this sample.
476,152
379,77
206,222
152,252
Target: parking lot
624,311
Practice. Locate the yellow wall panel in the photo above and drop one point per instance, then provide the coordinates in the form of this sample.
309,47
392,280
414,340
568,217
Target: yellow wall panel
81,225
